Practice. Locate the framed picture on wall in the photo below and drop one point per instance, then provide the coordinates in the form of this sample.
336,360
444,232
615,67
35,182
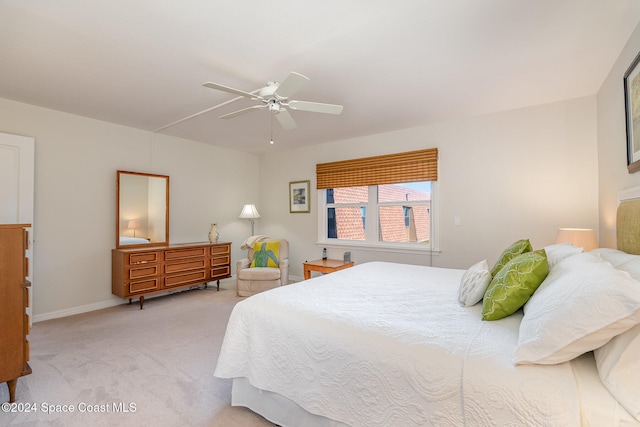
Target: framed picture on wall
299,197
632,112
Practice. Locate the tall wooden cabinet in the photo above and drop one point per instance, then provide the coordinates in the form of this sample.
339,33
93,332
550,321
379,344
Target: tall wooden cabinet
137,272
14,299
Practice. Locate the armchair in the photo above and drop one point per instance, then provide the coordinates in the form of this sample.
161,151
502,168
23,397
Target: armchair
252,280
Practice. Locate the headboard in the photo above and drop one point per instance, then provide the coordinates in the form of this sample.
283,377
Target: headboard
628,221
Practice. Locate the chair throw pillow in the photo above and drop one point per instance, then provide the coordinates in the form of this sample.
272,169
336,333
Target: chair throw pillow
512,287
516,248
266,254
474,283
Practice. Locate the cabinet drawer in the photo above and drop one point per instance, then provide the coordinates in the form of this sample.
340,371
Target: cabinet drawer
185,253
220,249
184,266
220,260
142,258
223,271
26,350
143,286
140,272
26,297
181,279
27,324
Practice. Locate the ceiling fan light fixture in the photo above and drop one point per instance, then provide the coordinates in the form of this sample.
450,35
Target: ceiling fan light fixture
274,107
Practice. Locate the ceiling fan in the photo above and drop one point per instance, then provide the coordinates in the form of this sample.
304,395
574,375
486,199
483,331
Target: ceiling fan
275,98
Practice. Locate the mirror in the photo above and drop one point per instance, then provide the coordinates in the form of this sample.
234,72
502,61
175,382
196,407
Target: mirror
142,209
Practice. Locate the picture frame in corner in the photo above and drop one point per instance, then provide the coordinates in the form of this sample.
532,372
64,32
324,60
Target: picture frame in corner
299,200
632,114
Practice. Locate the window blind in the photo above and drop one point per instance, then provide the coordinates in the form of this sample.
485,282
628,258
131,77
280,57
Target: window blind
420,165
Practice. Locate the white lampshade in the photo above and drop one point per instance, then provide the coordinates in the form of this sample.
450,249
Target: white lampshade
249,211
584,238
133,224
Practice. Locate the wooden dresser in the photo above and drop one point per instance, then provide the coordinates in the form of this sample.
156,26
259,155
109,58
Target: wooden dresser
14,299
137,272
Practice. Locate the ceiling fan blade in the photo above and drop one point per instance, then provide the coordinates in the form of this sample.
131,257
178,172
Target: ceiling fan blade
231,90
316,107
243,111
293,83
286,120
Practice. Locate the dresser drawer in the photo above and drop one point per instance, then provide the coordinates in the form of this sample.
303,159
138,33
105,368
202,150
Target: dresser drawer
182,279
143,286
185,266
220,249
185,253
220,272
142,258
220,260
140,272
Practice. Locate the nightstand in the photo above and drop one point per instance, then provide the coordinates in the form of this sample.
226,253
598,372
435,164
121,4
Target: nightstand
324,266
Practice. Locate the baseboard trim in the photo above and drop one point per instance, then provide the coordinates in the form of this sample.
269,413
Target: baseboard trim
75,310
99,305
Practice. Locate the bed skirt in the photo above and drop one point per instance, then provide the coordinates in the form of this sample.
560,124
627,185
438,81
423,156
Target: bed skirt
276,408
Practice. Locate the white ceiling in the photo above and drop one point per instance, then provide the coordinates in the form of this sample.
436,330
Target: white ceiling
393,65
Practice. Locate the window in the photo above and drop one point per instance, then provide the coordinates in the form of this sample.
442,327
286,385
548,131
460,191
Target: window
380,201
398,213
347,212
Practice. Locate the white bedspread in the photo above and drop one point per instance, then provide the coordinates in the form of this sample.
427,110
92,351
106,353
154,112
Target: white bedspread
384,344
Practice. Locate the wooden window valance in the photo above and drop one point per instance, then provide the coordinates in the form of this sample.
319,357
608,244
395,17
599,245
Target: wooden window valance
421,165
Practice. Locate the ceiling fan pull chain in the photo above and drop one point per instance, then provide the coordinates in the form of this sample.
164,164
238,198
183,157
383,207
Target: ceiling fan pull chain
271,126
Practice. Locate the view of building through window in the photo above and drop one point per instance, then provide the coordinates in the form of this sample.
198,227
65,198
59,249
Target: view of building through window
402,212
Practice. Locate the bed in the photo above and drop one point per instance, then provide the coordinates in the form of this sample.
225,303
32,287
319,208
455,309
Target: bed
133,240
385,344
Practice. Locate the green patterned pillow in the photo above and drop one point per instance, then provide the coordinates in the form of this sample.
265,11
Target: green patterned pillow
514,284
266,254
517,248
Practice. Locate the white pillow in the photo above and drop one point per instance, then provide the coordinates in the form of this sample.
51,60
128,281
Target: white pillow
621,260
632,267
614,256
581,305
618,364
560,251
474,283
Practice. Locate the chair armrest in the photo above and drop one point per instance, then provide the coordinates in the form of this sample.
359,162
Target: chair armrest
284,271
242,263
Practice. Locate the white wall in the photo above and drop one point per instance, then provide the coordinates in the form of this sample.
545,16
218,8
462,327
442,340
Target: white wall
612,140
76,159
510,175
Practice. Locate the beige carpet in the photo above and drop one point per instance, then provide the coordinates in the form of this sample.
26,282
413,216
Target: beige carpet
157,363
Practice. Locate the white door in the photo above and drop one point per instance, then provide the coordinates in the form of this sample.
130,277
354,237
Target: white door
16,187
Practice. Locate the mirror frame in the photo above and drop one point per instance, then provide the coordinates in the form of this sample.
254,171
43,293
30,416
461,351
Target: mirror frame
166,232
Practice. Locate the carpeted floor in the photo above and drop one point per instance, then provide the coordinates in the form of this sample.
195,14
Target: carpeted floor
130,367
